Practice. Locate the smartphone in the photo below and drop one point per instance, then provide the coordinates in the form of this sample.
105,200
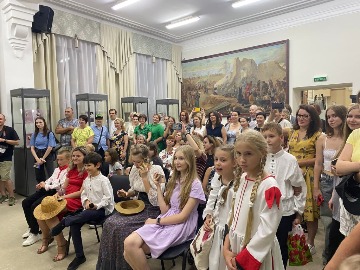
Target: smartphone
333,162
197,109
319,200
278,105
178,126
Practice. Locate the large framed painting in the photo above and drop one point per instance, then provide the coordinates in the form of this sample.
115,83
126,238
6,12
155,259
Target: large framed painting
235,80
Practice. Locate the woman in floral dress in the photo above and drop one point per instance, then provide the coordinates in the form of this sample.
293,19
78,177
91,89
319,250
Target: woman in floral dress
120,141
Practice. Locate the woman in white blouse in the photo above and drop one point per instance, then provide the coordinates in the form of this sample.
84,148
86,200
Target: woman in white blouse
198,129
118,226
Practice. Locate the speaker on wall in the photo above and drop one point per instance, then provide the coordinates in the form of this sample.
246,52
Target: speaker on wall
43,19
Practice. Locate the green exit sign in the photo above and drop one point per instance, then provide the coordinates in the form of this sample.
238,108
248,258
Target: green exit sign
320,79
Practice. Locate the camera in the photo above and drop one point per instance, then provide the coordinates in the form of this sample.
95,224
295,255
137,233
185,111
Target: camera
178,126
278,105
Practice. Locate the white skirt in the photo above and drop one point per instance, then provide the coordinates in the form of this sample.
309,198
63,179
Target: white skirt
216,257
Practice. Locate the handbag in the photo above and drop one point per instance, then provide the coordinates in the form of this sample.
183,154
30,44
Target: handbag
200,247
96,145
299,252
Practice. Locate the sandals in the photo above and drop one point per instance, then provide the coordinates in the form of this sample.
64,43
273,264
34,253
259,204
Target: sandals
45,245
62,252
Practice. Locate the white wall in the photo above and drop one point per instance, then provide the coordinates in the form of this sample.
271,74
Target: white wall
323,40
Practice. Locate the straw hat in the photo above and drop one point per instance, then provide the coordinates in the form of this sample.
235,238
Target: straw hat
130,207
49,208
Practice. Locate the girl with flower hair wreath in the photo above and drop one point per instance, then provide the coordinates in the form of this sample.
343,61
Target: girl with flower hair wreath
256,210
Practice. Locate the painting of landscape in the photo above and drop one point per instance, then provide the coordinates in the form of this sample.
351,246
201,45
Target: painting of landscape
235,80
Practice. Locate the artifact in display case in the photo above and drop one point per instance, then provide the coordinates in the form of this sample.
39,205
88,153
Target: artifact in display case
134,104
91,105
168,107
26,105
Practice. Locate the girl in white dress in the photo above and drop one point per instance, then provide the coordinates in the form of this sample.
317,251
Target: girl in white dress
251,243
219,203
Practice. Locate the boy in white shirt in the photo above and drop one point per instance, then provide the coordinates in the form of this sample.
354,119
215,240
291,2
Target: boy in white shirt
288,175
98,202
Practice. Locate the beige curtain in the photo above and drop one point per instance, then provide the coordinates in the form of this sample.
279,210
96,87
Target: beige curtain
174,77
116,65
45,70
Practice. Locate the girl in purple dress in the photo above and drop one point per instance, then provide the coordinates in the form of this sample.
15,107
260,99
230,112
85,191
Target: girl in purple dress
177,222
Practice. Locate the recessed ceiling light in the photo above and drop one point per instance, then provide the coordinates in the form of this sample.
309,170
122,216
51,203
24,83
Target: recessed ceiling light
243,3
123,4
182,22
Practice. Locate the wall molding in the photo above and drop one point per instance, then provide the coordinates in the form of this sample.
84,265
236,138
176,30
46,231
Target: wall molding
106,16
18,18
275,24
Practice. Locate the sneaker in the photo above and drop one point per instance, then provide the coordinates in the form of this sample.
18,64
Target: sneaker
2,198
6,198
32,239
76,263
91,226
11,201
26,234
312,249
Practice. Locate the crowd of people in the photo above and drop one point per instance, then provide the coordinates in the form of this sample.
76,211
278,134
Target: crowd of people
250,180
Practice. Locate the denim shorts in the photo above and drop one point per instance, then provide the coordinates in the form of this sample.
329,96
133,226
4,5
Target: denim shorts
326,188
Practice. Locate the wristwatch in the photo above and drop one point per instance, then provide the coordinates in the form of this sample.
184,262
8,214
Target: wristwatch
158,221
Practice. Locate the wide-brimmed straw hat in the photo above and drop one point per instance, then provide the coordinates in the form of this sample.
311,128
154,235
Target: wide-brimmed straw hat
49,208
130,207
349,192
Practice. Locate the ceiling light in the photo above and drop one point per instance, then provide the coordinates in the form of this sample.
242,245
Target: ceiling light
182,22
123,4
243,3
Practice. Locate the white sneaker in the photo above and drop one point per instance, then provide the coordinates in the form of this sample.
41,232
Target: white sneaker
32,239
26,234
91,226
312,249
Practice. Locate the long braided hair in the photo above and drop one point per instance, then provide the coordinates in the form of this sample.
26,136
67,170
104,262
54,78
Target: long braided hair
256,142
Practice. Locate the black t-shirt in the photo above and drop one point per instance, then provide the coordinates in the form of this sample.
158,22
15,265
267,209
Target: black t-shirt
7,133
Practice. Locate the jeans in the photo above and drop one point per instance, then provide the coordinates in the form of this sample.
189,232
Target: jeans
282,233
326,188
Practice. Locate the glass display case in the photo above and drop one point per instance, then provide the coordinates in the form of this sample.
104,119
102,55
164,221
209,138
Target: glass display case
91,105
134,104
26,105
168,107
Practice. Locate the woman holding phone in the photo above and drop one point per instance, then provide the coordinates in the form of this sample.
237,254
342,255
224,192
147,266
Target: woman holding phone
118,226
328,147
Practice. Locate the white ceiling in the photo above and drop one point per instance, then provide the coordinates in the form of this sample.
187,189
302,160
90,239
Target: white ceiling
151,16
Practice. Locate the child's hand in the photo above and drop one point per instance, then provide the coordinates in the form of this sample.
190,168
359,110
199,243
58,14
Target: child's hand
87,205
330,204
207,223
229,257
150,221
122,193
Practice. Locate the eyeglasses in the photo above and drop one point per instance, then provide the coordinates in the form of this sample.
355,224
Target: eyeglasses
303,116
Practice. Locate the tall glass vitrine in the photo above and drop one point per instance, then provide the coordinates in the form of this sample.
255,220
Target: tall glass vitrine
91,105
169,107
134,104
26,105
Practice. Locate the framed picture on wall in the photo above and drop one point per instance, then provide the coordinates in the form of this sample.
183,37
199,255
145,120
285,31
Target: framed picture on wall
237,79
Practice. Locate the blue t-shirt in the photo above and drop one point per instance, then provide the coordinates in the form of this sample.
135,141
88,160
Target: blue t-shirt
104,136
41,141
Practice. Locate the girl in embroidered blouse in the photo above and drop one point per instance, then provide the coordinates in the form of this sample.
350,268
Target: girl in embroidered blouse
177,222
218,207
167,154
256,209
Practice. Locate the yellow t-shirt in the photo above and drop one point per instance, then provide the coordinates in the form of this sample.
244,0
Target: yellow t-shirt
354,140
81,135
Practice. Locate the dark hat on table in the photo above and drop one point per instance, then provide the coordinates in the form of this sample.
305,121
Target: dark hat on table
349,192
99,116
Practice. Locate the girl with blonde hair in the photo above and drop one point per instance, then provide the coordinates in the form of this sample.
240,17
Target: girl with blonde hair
256,209
177,222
